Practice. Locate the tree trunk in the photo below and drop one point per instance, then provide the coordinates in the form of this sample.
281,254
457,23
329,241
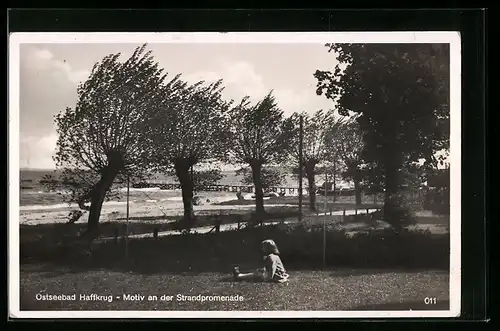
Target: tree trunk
97,199
393,204
357,191
116,164
311,181
182,170
259,194
334,180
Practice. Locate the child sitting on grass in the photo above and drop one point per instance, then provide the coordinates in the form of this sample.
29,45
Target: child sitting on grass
273,270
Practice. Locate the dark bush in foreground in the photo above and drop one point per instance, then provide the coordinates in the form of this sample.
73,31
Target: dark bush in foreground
301,248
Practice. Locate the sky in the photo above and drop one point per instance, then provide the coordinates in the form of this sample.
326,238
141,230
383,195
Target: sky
50,74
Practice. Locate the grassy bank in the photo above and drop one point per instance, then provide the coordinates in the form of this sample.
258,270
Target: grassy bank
339,289
375,270
300,247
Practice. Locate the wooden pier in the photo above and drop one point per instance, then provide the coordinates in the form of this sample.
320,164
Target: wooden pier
164,185
280,190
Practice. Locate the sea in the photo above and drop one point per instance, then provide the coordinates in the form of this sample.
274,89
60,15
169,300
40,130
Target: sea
34,196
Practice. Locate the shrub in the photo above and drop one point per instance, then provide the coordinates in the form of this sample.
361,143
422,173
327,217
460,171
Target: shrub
301,247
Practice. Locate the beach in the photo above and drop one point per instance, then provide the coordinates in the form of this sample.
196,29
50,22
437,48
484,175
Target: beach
40,206
154,206
151,203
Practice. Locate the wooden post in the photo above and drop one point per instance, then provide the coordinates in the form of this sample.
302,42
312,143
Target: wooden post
128,214
155,233
116,235
343,215
324,221
334,178
330,211
301,133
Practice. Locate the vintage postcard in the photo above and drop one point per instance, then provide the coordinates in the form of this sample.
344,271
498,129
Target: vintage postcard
234,175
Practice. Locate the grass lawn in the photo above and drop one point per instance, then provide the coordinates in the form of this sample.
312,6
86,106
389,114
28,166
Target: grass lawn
379,269
341,289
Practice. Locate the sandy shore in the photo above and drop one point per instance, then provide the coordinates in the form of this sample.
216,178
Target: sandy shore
163,207
117,211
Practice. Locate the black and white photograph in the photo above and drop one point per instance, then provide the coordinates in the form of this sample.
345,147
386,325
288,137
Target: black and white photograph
244,175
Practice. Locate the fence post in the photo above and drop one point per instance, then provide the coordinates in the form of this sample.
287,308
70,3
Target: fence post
116,235
300,165
217,225
330,211
155,233
127,230
343,215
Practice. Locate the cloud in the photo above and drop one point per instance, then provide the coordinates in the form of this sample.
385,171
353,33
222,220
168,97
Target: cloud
241,79
43,54
46,87
38,59
75,76
38,151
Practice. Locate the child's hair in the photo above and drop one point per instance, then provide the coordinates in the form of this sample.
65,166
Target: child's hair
270,247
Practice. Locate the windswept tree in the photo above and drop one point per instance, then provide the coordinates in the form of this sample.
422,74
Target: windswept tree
191,128
106,134
315,149
401,92
260,136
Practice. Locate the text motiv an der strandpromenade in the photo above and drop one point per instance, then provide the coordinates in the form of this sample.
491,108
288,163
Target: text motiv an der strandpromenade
136,297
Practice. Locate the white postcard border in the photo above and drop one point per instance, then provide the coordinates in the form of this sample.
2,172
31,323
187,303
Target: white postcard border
451,37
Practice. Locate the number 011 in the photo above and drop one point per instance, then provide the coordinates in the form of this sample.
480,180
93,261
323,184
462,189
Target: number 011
430,301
